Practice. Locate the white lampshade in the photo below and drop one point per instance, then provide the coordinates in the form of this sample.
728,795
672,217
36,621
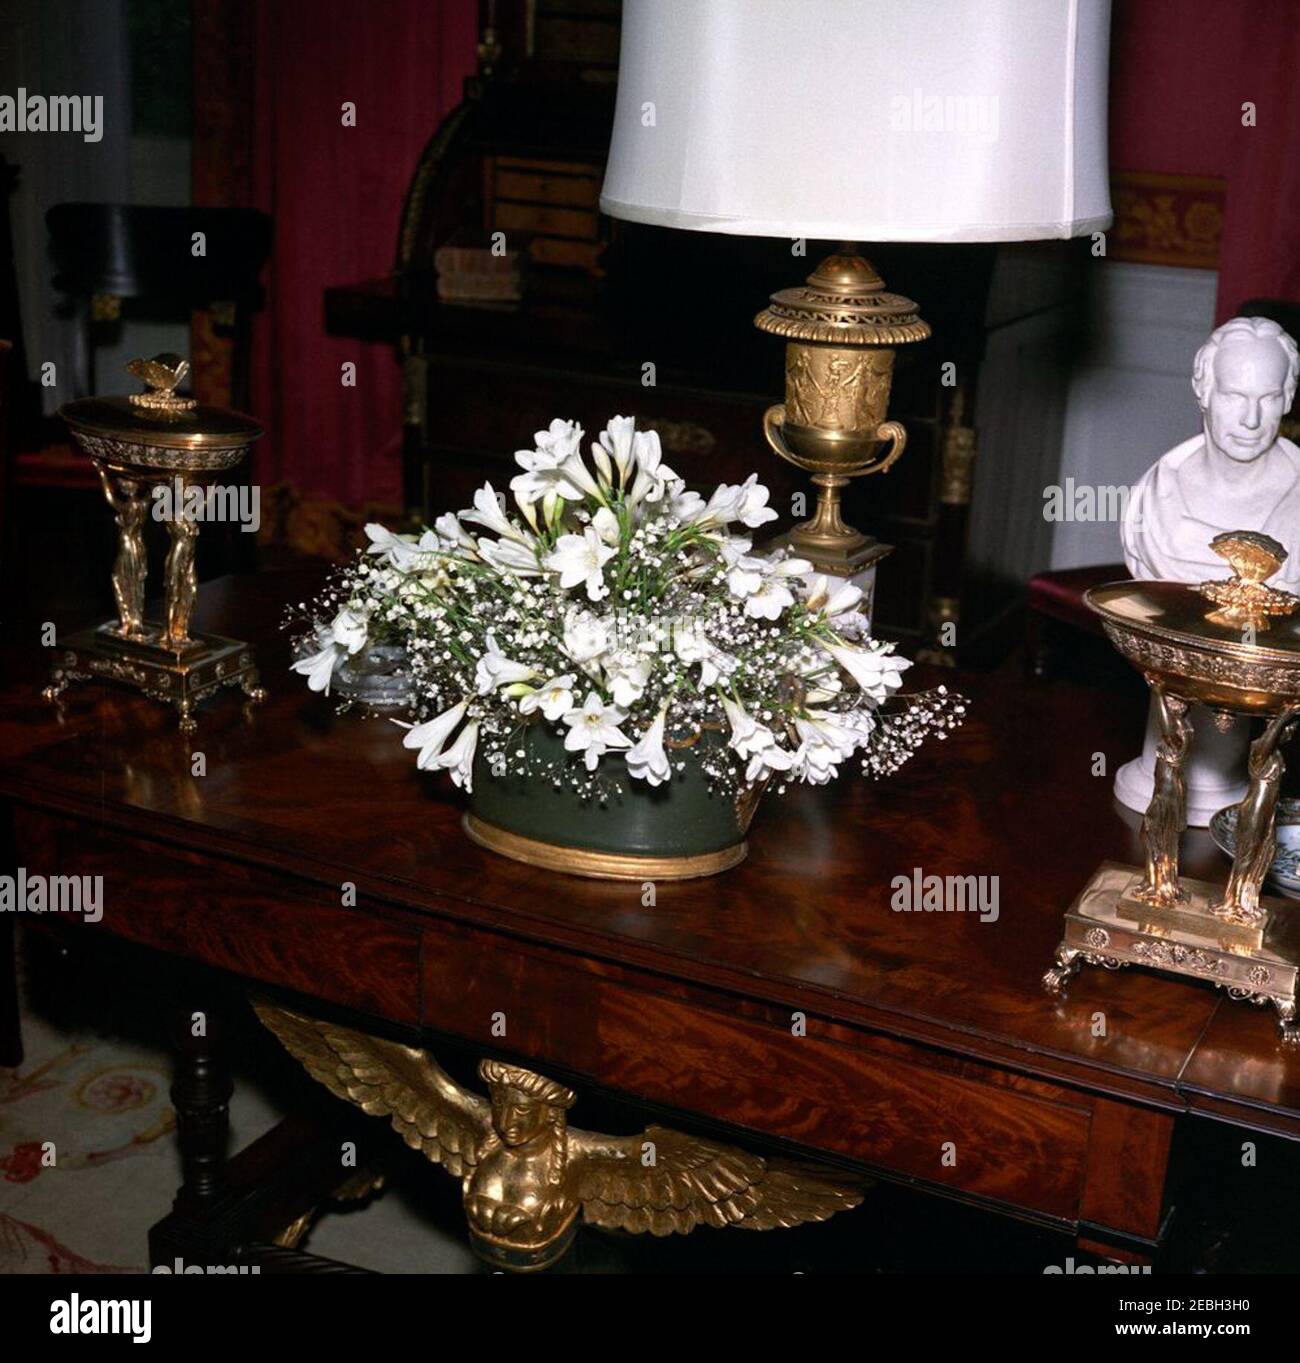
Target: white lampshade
863,120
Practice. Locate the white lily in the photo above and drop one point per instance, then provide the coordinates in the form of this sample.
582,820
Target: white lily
394,549
604,468
554,698
557,463
837,599
593,730
745,576
646,759
828,730
876,670
768,761
825,744
748,736
510,556
751,503
605,524
494,669
628,677
692,645
540,478
319,667
431,736
350,630
816,763
459,758
554,470
721,508
616,440
686,505
581,559
652,474
451,533
487,512
769,600
585,637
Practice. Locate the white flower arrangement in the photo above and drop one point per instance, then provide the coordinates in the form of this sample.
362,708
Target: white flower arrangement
634,619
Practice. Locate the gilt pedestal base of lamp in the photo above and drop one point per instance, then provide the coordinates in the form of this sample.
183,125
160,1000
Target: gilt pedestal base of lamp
841,329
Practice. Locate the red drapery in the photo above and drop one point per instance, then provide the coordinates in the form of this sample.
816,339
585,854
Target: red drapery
335,193
1180,74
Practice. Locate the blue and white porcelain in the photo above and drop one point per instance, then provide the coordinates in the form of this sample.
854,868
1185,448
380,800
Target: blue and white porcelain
1285,874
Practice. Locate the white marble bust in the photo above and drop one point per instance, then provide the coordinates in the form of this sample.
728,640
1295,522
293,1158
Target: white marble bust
1238,474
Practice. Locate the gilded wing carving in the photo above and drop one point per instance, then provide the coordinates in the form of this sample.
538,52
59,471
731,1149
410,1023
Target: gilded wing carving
428,1109
696,1182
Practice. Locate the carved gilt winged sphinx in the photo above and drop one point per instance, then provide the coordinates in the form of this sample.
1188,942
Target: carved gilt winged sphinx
527,1177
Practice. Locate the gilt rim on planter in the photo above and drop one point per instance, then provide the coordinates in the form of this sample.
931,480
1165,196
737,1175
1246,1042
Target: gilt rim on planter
582,861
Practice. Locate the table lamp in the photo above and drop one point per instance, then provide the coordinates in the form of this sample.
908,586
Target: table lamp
858,120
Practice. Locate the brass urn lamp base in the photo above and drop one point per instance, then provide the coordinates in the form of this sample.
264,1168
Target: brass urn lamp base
841,329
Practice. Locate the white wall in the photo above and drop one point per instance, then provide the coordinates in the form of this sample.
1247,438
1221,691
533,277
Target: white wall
1130,393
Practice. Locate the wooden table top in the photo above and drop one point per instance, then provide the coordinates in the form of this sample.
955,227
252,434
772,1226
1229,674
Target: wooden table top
805,922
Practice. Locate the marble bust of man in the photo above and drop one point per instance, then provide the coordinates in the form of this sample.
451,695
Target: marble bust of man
1237,474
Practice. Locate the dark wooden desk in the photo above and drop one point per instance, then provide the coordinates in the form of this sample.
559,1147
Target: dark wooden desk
926,1032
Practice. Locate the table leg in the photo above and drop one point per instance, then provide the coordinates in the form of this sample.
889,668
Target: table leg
1122,1211
201,1093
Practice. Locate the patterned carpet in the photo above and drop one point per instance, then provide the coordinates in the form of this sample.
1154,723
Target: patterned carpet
88,1161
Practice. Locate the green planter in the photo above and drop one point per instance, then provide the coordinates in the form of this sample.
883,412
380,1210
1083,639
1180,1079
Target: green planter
673,831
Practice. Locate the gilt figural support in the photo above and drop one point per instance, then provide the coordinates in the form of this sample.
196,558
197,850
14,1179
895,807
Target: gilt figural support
130,568
1257,823
528,1177
1166,815
181,579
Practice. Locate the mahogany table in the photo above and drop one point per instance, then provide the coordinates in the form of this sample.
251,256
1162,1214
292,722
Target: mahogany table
931,1053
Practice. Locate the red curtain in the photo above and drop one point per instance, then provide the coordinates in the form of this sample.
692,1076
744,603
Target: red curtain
335,193
1180,74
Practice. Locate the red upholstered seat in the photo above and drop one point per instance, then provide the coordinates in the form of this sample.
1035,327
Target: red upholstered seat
1060,594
